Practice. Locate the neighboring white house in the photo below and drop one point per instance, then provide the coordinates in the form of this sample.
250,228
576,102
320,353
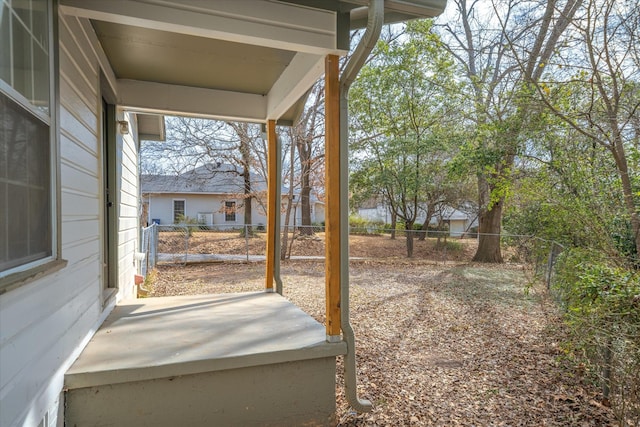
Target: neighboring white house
459,221
213,195
317,208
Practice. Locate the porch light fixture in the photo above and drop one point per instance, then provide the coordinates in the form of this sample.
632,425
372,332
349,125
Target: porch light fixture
123,127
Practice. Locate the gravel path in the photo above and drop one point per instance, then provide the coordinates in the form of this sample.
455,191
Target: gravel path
441,345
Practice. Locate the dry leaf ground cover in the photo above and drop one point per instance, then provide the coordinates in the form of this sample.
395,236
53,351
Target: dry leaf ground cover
367,246
438,344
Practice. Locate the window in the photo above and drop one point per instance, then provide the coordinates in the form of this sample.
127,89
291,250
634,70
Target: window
230,211
28,226
178,211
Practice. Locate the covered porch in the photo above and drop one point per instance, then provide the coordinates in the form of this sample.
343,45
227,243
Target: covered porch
239,359
230,359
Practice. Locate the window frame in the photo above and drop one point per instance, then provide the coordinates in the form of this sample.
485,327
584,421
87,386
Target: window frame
234,205
25,273
173,209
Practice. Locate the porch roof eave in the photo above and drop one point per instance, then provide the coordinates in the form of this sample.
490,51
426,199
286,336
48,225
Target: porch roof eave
243,61
250,60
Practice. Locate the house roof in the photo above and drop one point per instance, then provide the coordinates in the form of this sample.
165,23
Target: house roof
448,212
210,179
454,214
207,179
251,60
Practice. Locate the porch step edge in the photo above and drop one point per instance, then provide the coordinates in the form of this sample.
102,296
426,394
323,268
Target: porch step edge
76,380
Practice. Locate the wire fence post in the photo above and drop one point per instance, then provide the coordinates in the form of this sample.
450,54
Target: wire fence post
187,231
149,248
156,239
246,240
554,251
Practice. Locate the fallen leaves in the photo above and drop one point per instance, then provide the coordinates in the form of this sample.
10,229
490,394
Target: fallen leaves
436,345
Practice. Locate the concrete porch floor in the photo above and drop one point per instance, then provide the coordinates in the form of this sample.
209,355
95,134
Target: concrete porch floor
228,359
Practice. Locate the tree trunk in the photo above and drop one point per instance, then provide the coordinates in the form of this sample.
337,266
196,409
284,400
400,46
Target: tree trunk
304,153
248,198
285,231
408,228
245,153
489,234
285,228
424,230
305,207
393,226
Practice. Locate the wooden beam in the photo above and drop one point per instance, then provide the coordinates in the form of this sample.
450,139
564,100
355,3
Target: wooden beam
303,71
272,203
162,98
332,192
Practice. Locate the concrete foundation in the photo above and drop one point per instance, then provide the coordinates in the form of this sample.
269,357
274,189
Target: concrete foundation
284,394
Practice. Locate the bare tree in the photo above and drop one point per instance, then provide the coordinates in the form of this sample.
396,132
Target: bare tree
502,50
194,142
600,74
307,135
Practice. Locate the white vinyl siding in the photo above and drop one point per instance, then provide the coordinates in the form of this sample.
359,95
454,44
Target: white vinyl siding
44,324
128,219
161,208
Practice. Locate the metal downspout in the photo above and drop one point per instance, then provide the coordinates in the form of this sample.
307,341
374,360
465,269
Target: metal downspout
278,225
357,60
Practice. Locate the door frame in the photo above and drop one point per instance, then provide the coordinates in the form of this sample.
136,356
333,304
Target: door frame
110,199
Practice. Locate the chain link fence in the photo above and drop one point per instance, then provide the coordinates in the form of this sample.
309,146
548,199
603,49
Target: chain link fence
192,243
599,297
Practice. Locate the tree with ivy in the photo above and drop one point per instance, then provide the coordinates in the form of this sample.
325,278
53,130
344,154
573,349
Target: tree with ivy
501,48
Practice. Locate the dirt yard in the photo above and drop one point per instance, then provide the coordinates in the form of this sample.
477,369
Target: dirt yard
438,343
367,246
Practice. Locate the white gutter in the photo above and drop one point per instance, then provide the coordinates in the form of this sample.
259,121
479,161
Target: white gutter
357,60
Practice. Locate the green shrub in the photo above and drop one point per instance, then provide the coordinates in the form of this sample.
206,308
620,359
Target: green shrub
191,224
359,225
602,310
452,246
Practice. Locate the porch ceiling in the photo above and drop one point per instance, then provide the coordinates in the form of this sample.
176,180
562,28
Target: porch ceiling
179,59
250,60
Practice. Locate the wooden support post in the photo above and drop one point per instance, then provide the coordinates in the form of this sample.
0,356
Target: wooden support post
332,194
272,202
